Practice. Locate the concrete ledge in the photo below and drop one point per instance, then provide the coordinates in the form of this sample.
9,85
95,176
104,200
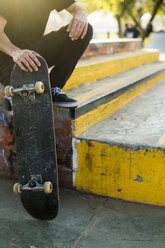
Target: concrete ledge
123,156
111,46
120,171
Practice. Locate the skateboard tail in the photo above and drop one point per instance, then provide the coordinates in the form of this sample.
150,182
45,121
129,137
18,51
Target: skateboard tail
39,209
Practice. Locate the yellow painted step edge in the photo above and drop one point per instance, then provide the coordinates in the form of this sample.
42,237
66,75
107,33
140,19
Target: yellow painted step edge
91,73
92,117
119,172
113,85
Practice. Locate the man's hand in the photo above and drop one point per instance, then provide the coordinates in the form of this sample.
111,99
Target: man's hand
79,24
26,60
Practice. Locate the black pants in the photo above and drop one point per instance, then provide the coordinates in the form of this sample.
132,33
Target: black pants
59,51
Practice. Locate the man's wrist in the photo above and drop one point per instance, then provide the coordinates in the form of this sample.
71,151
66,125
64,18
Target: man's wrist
76,9
80,11
13,50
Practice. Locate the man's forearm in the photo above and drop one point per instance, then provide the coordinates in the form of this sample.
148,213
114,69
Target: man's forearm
5,44
26,59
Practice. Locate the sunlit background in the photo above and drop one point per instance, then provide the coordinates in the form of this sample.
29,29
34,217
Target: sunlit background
103,15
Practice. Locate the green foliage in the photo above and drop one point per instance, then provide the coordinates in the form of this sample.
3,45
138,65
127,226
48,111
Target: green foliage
123,7
116,6
125,10
92,5
148,6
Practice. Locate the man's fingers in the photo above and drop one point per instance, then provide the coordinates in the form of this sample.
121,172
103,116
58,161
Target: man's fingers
31,63
27,60
78,26
21,66
27,64
69,26
79,30
34,58
84,32
73,28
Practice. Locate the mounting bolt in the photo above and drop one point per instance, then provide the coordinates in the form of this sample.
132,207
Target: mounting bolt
32,184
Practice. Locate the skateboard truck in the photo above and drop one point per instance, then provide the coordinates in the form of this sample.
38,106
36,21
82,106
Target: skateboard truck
27,92
34,184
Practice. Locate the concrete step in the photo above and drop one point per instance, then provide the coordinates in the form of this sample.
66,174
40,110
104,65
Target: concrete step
123,156
104,97
98,100
99,67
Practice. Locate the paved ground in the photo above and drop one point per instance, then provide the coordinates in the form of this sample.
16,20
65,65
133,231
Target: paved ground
84,221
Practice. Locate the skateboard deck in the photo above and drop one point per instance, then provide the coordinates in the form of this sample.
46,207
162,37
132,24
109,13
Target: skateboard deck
35,142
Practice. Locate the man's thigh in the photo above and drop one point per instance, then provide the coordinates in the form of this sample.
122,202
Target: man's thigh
5,71
50,45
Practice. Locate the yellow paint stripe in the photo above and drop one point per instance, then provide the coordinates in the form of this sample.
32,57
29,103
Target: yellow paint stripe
91,73
89,119
129,174
98,91
147,40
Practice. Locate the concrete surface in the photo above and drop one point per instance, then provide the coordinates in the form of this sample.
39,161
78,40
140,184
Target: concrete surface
141,122
84,221
156,41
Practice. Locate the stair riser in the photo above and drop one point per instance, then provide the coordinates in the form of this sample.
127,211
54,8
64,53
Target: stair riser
91,73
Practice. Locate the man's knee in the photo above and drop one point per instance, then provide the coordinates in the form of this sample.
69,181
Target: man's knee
89,34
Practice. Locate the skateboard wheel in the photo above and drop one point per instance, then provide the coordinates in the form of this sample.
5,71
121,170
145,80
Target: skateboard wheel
17,188
48,187
39,87
9,91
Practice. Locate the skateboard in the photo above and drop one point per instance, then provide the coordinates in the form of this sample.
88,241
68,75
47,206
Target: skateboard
35,141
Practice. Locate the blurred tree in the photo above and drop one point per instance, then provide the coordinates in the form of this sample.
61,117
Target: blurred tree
125,10
141,7
118,8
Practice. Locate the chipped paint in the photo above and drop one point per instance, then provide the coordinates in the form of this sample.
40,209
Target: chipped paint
75,142
138,179
7,146
124,173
